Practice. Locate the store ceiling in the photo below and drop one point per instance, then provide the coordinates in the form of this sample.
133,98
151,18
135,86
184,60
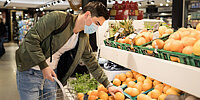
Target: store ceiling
24,4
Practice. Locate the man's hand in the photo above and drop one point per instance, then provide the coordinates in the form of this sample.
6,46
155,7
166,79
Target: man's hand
112,90
48,73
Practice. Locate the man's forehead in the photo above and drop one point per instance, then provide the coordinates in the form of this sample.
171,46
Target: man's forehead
100,20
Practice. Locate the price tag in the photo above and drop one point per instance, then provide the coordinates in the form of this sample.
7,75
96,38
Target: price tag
132,36
116,34
121,30
155,35
156,48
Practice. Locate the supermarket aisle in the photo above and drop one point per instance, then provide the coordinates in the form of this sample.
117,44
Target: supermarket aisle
8,87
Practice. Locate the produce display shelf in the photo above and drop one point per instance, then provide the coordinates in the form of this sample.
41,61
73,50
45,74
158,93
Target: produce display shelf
181,76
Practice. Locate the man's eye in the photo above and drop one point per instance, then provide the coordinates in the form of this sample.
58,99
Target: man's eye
97,23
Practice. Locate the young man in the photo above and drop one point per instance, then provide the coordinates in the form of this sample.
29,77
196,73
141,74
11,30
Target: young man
33,57
2,33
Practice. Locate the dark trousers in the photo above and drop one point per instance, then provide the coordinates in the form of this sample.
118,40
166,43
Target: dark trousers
2,49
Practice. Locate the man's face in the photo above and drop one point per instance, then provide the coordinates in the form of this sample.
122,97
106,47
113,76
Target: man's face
96,20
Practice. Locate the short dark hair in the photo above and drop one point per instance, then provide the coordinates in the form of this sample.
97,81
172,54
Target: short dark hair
97,9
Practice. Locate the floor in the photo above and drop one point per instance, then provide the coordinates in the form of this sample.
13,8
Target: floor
8,86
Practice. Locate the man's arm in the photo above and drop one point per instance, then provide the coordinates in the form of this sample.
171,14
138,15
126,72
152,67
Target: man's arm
37,34
93,66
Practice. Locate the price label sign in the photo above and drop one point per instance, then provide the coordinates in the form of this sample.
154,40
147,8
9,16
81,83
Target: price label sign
121,30
116,34
132,36
155,35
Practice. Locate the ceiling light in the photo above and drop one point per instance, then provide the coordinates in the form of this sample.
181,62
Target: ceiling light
161,4
41,9
37,9
152,2
14,7
8,1
48,5
168,1
167,4
140,4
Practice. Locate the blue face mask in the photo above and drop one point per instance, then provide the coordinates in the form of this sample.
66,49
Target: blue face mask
90,29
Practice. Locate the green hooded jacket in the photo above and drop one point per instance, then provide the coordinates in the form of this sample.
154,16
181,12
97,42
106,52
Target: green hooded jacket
35,48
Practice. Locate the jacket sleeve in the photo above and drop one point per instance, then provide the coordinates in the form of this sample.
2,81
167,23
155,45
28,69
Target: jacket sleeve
37,34
93,66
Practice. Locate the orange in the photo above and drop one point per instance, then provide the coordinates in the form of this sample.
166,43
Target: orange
187,50
168,44
162,30
143,97
147,80
165,88
159,43
146,35
162,97
122,77
102,88
177,90
169,31
150,78
184,34
138,75
121,40
171,91
149,51
146,86
138,86
174,58
140,41
159,87
128,80
117,76
117,82
196,48
175,36
129,74
188,41
89,92
111,98
198,27
155,94
177,46
94,92
131,84
103,95
140,78
182,29
132,91
80,96
119,96
195,34
155,82
92,97
169,40
127,40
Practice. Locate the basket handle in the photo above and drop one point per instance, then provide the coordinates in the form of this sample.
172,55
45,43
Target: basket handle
61,87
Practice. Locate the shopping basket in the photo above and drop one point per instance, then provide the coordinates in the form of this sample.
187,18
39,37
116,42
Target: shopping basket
62,93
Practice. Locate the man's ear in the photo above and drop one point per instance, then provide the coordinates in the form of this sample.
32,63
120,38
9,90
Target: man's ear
87,13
